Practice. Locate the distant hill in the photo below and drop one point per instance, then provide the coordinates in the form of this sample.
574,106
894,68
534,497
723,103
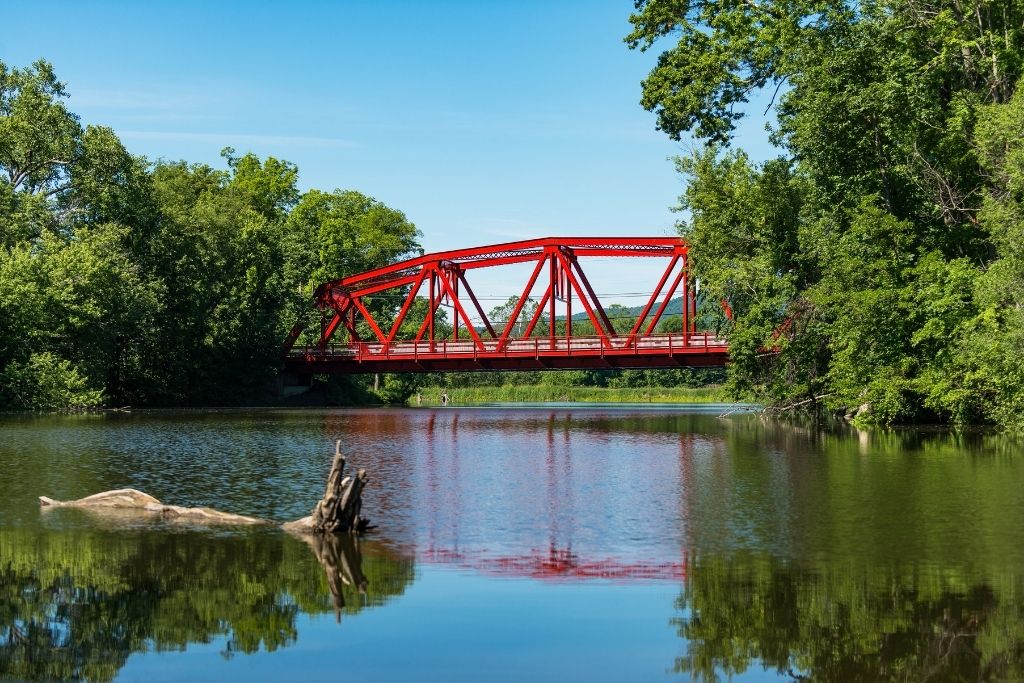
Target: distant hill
675,307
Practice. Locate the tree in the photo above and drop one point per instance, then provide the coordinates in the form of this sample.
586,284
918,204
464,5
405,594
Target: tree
348,232
53,173
851,260
129,282
501,316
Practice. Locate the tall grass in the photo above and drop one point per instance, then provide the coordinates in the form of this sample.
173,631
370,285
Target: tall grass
540,393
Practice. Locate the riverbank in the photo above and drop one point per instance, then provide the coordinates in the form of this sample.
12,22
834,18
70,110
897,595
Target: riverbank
540,393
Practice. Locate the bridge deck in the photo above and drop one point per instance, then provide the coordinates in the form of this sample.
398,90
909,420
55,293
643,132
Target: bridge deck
540,353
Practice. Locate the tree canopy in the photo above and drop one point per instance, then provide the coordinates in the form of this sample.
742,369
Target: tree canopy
873,266
125,281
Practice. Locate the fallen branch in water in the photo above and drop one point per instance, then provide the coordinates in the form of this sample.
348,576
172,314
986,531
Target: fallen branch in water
780,409
339,511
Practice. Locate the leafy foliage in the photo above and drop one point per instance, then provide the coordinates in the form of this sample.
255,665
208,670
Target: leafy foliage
874,266
125,281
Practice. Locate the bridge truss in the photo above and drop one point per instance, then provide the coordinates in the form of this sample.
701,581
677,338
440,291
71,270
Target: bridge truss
441,279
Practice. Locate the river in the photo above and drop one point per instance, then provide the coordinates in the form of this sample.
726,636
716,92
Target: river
544,543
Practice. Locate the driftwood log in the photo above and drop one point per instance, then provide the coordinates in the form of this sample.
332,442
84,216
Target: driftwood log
338,512
120,501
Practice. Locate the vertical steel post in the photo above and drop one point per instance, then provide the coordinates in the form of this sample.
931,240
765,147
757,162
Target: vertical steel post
687,295
433,307
453,284
568,311
553,274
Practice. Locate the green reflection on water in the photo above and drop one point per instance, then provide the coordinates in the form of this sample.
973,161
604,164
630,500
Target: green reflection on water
826,553
849,623
76,604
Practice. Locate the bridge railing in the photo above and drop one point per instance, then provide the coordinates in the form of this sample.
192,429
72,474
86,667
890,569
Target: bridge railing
660,344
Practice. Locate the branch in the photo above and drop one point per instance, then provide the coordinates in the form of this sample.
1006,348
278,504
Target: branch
798,403
774,94
31,168
57,190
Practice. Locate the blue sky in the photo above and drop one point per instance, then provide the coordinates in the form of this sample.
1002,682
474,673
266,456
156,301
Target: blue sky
483,121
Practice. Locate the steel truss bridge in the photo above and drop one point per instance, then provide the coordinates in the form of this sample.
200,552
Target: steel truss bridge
348,309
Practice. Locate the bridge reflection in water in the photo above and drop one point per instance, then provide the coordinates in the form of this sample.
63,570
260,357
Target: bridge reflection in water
770,550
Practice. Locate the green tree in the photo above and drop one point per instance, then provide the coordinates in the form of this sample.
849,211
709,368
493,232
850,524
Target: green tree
501,316
129,282
850,261
53,173
219,251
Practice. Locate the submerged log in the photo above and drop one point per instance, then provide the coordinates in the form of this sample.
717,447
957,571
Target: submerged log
130,500
338,512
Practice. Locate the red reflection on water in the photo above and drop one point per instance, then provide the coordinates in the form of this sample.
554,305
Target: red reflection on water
554,565
546,494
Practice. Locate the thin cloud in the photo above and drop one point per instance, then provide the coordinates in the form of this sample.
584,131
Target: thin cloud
168,99
236,138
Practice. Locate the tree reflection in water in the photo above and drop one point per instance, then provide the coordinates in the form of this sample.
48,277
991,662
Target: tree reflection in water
76,604
849,624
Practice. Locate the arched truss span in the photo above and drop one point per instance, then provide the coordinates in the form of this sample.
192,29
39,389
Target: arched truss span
476,342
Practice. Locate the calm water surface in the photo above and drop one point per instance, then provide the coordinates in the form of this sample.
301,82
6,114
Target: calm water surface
533,543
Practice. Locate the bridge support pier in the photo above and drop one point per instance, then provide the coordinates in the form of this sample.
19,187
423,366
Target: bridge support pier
293,383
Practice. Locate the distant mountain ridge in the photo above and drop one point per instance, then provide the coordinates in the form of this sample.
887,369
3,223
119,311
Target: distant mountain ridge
675,307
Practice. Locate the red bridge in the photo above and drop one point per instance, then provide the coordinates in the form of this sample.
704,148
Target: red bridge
534,337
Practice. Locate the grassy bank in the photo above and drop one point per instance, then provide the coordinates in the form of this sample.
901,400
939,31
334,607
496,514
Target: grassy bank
545,393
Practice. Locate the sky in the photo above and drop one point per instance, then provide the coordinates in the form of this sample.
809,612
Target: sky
482,121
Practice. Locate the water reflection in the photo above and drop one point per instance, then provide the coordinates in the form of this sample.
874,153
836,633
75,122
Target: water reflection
342,561
77,604
824,553
849,623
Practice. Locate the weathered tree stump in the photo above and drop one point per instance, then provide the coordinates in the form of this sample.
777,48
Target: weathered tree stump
338,511
132,502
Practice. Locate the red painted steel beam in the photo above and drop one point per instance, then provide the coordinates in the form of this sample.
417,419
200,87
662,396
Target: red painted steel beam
406,305
573,265
715,357
459,310
668,297
293,335
328,331
447,274
511,322
598,329
498,254
537,313
654,296
472,297
370,320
